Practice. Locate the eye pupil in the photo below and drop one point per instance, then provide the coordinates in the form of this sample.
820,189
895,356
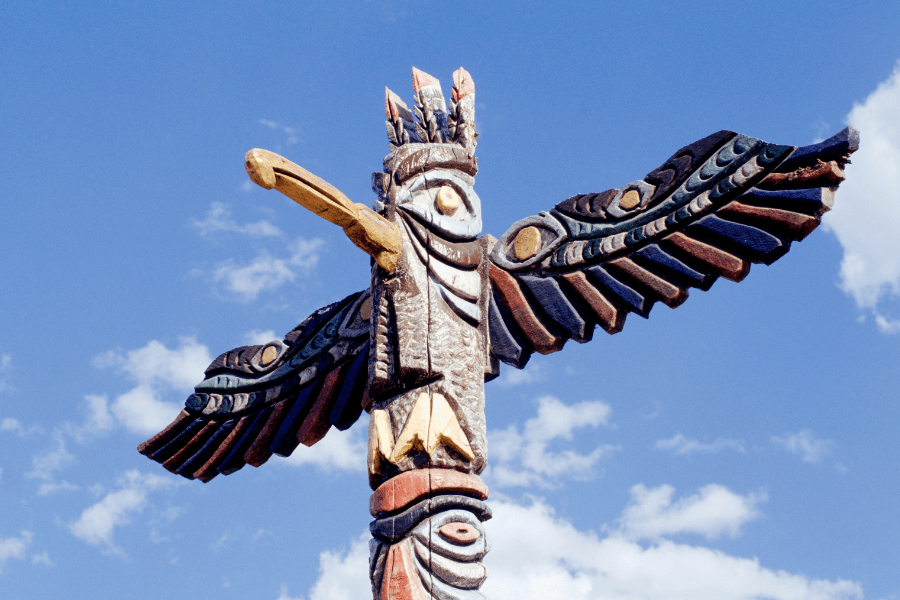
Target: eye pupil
447,200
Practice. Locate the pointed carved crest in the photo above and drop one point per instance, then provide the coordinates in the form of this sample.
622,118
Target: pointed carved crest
430,121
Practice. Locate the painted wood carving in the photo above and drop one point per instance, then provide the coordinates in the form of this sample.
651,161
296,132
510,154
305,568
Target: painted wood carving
447,304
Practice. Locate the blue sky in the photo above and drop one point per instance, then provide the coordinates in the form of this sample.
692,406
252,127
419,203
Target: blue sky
741,446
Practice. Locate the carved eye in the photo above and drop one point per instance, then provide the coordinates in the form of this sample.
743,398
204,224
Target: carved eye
268,355
528,242
631,198
447,200
460,533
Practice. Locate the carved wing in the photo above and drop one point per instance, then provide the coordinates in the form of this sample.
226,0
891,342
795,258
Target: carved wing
267,399
711,210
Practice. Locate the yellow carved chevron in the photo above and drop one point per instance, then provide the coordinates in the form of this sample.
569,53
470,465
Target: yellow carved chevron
430,424
381,440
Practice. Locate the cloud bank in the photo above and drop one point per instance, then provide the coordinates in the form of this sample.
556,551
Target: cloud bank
155,369
525,457
99,521
866,216
536,555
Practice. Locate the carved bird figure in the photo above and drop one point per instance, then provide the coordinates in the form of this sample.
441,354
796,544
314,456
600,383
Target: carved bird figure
446,305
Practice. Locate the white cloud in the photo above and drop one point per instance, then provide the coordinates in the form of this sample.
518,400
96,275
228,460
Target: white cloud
155,368
267,272
536,556
5,368
680,444
510,377
283,594
98,522
42,559
292,135
339,450
523,458
866,216
14,547
10,424
45,465
803,443
218,220
260,336
712,512
99,420
339,573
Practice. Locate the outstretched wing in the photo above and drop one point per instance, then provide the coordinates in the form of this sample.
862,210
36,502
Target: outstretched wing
267,399
716,206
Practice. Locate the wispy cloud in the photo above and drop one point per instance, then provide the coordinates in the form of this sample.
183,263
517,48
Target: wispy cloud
98,522
265,272
155,369
804,444
536,555
292,135
42,559
511,377
46,465
524,457
712,512
679,444
14,547
219,220
866,216
12,425
5,368
260,336
98,421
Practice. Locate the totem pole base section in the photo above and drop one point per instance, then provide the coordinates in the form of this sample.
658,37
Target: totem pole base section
428,536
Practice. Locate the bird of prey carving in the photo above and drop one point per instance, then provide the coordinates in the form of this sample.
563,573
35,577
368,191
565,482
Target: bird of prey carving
446,305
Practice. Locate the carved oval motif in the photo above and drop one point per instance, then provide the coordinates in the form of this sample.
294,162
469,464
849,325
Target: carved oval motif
528,242
447,200
269,354
459,533
365,309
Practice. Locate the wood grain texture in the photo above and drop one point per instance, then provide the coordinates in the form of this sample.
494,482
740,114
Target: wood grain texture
718,261
188,449
782,223
745,241
652,257
620,293
670,294
209,447
554,302
317,422
609,317
165,436
347,405
178,442
401,582
285,440
211,467
258,452
541,339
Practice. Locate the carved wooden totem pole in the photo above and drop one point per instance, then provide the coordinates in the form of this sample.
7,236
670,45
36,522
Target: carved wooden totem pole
445,305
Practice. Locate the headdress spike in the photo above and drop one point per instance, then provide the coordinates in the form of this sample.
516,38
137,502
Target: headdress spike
461,121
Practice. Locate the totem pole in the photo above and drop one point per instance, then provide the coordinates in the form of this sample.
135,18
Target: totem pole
445,306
